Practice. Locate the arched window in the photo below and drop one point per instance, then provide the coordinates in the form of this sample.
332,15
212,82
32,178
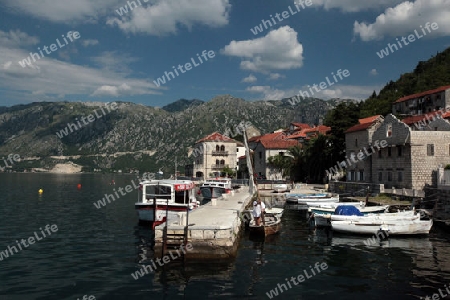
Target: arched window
222,162
217,148
222,148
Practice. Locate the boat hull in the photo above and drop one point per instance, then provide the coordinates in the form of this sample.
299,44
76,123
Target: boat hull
327,219
163,213
272,226
312,199
365,210
402,227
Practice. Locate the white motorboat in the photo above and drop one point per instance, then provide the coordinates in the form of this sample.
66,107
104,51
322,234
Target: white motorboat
312,199
162,200
280,187
363,209
356,215
391,227
215,188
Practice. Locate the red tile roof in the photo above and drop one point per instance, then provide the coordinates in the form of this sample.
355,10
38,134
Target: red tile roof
363,124
301,125
279,144
215,136
300,134
369,119
439,89
321,129
414,119
269,136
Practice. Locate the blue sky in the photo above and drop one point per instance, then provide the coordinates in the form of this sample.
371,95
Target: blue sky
119,58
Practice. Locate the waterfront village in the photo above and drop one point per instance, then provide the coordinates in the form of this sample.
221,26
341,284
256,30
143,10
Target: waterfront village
412,156
403,157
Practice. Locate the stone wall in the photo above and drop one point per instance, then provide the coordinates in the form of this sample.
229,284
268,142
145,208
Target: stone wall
425,166
343,187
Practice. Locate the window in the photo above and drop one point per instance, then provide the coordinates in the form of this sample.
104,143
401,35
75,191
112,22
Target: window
222,162
361,175
379,153
217,162
399,151
400,176
217,148
356,142
281,153
222,148
380,176
389,175
435,128
260,154
430,149
388,130
389,151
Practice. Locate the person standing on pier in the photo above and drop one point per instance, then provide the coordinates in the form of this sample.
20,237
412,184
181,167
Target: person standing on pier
258,209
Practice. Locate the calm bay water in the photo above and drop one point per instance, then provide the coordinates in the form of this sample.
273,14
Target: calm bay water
95,251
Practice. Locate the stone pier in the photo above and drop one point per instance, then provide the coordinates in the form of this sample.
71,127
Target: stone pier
213,230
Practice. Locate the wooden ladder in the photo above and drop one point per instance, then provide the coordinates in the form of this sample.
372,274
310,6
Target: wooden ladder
172,241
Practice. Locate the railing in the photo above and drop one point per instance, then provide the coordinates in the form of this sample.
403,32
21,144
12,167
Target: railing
224,153
219,166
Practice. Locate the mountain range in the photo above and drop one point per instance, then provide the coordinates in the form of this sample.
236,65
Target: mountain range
135,136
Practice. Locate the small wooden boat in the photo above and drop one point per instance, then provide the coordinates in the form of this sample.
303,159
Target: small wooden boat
272,224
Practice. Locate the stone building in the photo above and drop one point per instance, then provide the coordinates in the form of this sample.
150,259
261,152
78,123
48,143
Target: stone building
422,103
412,157
212,154
270,147
357,138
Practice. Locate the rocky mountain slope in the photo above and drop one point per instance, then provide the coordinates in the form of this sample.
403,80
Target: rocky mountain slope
134,136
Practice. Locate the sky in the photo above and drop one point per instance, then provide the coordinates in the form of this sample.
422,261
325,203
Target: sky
116,50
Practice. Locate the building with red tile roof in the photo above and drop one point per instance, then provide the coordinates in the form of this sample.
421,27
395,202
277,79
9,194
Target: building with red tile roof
424,102
213,153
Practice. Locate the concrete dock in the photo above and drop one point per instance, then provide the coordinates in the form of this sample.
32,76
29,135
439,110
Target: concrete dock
213,229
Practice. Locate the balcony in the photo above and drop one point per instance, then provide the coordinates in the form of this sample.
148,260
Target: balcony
218,167
220,153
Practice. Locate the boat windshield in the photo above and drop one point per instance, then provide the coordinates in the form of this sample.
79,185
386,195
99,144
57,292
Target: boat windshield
158,191
182,197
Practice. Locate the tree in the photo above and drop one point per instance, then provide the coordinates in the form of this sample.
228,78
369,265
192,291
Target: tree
281,163
228,172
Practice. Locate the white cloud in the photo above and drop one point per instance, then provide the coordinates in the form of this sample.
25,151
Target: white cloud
249,79
87,43
112,61
17,38
49,78
164,16
65,11
267,92
406,17
278,50
275,76
110,90
355,5
373,72
346,92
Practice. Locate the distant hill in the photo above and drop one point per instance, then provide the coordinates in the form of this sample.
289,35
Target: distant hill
182,104
136,136
427,75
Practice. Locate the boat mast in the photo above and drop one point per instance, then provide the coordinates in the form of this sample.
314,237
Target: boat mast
251,183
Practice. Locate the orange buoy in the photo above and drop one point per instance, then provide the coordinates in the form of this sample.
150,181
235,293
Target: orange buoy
79,186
